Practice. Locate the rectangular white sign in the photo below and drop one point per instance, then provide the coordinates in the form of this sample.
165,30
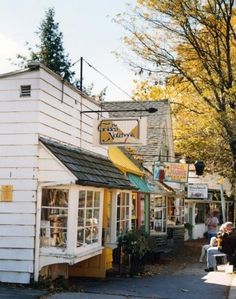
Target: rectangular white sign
199,191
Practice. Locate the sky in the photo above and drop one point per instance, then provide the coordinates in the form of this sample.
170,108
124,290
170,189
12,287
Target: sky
88,32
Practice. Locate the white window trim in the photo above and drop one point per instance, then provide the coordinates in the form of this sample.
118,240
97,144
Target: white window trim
113,220
70,254
152,232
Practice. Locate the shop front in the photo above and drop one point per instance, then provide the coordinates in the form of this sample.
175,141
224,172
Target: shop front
70,215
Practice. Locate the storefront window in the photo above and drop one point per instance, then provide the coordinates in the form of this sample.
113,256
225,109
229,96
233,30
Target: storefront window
123,213
201,210
175,211
134,210
54,216
88,217
157,214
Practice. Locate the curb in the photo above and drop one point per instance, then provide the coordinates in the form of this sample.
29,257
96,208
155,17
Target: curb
232,289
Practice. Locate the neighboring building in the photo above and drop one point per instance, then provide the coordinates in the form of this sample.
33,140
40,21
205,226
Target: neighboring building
204,194
55,184
140,196
160,146
166,205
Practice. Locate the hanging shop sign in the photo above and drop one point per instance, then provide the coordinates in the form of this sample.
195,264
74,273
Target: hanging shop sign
171,172
121,131
199,191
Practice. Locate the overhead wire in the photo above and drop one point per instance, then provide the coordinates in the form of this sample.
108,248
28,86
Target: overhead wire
108,79
112,82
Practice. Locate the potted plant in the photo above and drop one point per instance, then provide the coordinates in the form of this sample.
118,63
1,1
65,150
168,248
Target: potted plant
135,247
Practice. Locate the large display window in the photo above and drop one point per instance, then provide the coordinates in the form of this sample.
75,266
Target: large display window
54,217
70,219
175,211
88,217
158,214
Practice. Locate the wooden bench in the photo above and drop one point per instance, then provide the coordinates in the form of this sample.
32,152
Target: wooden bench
158,245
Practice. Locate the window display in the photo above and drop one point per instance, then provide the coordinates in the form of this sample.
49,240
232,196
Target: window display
88,217
175,211
54,218
157,214
123,213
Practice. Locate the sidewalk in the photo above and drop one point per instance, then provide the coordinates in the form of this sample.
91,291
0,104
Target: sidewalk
232,290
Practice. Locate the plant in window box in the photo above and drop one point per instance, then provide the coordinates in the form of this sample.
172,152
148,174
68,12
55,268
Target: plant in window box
134,246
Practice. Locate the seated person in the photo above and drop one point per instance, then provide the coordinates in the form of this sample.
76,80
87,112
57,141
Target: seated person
226,244
213,243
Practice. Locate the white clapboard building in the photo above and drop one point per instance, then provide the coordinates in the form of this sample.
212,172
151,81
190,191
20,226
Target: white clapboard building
52,177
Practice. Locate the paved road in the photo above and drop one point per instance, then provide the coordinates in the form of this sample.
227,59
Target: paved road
182,278
190,283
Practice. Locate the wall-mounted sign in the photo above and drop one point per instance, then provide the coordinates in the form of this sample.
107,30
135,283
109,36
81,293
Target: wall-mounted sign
121,131
199,191
172,172
6,193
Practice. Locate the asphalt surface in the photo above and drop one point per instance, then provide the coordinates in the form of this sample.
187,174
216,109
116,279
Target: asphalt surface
178,277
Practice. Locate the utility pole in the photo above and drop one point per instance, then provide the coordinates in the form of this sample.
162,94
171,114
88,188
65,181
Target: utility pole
81,74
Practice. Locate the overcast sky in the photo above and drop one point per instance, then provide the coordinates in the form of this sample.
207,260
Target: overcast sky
88,32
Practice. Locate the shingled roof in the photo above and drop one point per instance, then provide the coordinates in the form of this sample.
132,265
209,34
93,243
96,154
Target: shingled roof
156,123
89,168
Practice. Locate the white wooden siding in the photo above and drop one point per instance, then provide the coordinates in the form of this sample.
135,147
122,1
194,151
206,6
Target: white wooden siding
24,164
17,219
18,277
19,150
16,242
16,230
51,170
18,254
13,207
24,195
15,265
60,116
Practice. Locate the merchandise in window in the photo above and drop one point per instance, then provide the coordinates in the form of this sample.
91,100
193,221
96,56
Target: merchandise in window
175,211
88,217
123,213
54,216
157,214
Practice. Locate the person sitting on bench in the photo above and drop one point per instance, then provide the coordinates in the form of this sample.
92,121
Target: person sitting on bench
226,244
213,243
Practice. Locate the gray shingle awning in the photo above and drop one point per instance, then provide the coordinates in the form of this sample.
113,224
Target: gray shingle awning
89,168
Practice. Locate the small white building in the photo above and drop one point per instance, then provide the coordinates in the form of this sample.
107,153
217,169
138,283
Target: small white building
53,180
204,194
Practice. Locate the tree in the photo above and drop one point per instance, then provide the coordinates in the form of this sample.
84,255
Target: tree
191,46
51,51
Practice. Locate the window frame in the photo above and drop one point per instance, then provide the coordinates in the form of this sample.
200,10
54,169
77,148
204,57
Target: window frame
72,221
113,224
157,208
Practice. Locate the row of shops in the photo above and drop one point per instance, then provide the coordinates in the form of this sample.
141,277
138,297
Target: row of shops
64,200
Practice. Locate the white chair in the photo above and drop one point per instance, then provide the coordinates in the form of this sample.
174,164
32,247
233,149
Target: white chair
216,257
